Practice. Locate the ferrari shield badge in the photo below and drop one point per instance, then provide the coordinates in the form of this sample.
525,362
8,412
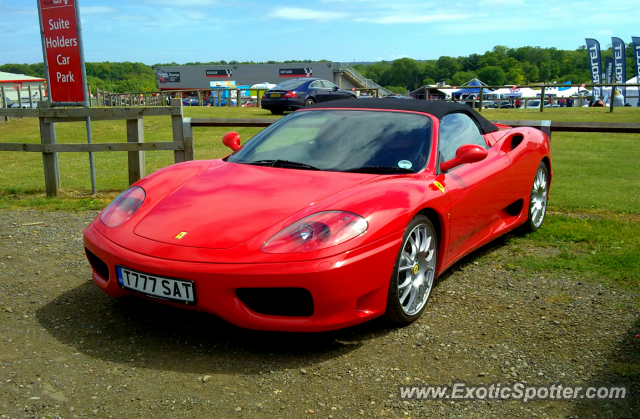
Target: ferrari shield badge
439,186
180,235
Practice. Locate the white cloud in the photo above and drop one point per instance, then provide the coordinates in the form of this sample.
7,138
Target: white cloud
295,13
97,10
196,16
133,18
411,19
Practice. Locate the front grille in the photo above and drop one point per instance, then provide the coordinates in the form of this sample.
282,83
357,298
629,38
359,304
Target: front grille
97,264
291,302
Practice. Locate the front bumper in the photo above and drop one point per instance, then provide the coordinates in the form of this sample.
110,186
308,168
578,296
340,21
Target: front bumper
346,289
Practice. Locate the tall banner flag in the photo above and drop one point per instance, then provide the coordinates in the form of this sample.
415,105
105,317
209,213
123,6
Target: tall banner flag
619,64
595,65
636,58
608,69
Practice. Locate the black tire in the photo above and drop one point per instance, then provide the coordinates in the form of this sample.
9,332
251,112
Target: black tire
277,111
537,206
414,272
352,97
309,101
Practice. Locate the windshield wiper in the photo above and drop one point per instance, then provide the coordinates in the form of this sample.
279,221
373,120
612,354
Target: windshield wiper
282,163
378,170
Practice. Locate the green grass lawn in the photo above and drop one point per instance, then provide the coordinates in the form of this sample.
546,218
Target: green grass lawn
592,230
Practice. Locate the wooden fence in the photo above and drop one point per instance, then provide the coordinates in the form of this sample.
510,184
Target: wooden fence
135,146
547,127
183,142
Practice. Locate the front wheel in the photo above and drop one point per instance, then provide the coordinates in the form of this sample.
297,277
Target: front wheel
414,272
539,199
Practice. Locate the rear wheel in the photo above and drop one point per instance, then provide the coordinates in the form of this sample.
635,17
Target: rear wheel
414,272
538,200
309,101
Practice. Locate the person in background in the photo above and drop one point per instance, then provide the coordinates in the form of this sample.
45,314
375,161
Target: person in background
585,102
518,103
618,98
569,102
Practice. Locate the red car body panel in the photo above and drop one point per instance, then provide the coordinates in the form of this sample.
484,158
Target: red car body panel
230,210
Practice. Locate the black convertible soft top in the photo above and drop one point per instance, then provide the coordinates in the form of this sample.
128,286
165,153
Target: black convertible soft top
437,108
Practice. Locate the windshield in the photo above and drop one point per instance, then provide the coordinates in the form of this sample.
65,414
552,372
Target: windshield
289,85
344,140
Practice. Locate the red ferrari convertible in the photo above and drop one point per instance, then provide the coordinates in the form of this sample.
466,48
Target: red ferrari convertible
334,215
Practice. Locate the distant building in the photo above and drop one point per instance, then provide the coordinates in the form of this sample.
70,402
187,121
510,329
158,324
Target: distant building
14,82
207,77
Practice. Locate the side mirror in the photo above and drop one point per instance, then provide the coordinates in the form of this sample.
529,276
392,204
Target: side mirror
232,140
335,88
468,153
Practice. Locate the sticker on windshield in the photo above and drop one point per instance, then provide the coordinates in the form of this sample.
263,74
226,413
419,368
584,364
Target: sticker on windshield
405,164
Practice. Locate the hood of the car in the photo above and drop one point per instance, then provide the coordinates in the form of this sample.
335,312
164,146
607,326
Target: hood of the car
230,203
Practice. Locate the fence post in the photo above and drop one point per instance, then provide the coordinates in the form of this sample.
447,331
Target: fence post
613,86
187,138
135,134
228,97
40,97
19,97
49,160
176,127
481,99
545,126
30,98
199,93
258,98
542,98
4,101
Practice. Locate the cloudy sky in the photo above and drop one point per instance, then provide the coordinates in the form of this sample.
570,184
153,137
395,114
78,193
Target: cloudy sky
159,31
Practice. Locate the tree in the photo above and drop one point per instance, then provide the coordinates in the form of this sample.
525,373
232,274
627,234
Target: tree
492,75
461,77
397,89
405,72
446,67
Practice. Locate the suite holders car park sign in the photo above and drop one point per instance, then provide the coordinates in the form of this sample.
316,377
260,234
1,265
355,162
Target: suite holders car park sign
62,51
64,68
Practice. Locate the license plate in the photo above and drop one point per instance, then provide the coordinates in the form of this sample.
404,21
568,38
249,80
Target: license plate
169,289
275,95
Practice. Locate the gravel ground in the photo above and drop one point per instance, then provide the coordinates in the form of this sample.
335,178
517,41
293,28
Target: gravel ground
67,350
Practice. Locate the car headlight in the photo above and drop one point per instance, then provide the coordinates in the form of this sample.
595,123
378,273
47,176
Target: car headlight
123,207
316,232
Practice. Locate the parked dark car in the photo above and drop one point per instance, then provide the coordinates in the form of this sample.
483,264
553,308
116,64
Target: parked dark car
501,104
476,104
297,93
190,101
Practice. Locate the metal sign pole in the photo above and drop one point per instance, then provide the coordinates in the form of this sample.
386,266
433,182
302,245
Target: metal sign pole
46,75
87,98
